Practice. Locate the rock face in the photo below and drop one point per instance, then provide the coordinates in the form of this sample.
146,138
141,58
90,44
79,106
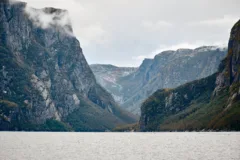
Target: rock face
45,77
108,75
168,69
209,103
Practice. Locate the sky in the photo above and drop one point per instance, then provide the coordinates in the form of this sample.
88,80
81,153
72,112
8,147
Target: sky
124,32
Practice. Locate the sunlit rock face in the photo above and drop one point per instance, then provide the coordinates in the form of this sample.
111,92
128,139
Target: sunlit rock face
44,74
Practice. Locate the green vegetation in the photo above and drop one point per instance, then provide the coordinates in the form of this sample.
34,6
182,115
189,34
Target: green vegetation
167,102
199,111
212,103
89,117
127,128
55,126
197,116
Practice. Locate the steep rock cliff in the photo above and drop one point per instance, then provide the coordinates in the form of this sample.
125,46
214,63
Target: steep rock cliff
45,76
209,103
108,75
168,69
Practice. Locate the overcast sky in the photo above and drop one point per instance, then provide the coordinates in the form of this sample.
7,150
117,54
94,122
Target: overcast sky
124,32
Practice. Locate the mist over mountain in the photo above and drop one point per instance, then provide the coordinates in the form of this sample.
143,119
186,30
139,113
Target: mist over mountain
46,82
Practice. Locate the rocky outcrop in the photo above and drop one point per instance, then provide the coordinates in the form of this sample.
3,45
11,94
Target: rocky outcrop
230,67
108,75
45,76
168,69
209,103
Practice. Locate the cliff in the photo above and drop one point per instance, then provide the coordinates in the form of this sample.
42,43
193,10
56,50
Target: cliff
212,103
108,75
168,69
45,79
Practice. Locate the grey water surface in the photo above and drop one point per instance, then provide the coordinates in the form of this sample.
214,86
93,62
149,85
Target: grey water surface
120,146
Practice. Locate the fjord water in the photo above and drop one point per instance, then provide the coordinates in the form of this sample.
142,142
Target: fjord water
120,146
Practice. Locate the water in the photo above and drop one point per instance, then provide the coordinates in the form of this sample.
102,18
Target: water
119,146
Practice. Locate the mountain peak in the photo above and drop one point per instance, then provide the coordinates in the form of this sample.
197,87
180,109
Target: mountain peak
52,80
165,52
231,72
146,62
50,17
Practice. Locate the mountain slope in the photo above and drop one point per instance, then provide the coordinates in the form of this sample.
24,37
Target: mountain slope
209,103
168,69
45,80
108,75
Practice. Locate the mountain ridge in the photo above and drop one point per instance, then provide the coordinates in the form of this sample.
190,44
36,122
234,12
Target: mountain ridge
211,103
167,69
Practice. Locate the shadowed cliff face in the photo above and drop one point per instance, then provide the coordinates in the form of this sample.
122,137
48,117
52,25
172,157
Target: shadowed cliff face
45,76
210,103
230,67
234,54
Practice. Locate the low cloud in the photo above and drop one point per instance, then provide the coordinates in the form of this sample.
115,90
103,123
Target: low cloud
124,32
49,17
162,48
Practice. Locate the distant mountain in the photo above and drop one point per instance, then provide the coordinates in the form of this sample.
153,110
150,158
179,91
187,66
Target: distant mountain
209,103
168,69
108,75
46,83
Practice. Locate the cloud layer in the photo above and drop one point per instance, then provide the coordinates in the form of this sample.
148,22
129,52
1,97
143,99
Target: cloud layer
48,18
118,32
